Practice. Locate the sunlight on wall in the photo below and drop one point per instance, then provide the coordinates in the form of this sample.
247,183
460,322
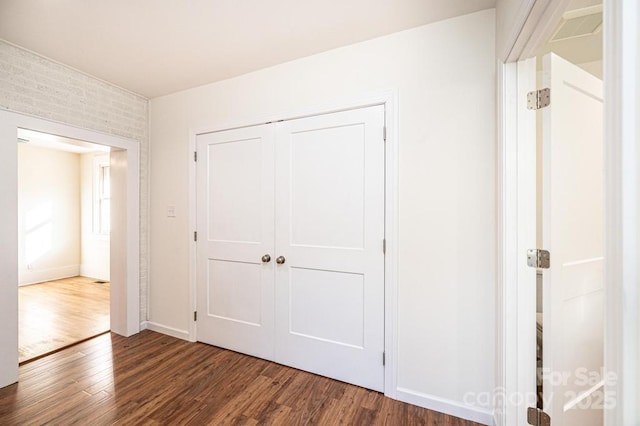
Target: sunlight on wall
38,232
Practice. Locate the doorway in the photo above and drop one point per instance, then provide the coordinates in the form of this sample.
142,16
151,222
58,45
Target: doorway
63,242
556,329
125,235
517,200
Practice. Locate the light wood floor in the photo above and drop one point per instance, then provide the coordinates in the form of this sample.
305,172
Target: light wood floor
151,378
58,313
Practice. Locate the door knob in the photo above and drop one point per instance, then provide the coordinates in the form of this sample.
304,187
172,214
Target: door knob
280,260
266,258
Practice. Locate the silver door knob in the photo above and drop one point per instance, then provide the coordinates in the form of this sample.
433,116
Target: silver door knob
280,260
266,258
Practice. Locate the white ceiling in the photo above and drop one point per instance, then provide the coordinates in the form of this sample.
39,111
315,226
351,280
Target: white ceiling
586,50
156,47
59,143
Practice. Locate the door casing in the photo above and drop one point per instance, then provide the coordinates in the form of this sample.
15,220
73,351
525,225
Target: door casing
125,247
622,181
388,98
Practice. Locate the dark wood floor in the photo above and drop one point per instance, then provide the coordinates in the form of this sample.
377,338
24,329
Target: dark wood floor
58,313
151,378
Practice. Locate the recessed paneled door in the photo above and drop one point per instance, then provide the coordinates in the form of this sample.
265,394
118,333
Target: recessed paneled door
290,251
330,230
235,211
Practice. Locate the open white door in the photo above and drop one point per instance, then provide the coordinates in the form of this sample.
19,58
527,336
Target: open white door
573,233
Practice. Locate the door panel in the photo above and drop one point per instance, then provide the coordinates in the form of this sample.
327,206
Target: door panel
327,176
232,291
234,198
329,228
573,233
235,220
341,294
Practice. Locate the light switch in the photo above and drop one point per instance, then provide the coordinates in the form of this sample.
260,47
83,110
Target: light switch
171,211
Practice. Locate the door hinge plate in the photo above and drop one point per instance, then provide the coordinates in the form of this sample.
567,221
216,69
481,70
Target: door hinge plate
195,235
537,417
195,156
195,315
384,246
539,99
384,358
384,133
538,258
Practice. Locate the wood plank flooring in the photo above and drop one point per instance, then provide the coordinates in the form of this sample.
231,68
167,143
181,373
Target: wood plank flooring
154,379
58,313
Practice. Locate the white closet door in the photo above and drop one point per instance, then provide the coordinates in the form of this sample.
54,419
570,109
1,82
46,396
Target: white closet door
329,232
235,230
573,288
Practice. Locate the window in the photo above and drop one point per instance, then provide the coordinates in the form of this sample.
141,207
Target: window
102,196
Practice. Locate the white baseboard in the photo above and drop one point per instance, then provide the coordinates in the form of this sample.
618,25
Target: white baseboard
170,331
95,271
27,277
446,406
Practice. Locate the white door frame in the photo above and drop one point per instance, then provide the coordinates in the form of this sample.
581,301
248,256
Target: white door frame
622,208
622,182
125,262
389,100
517,232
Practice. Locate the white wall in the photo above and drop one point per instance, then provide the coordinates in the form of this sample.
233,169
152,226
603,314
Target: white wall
445,77
48,214
94,256
61,183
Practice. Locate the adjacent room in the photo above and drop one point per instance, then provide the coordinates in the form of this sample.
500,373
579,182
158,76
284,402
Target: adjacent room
63,242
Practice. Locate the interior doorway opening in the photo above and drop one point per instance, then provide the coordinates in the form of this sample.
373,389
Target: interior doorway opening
124,163
64,217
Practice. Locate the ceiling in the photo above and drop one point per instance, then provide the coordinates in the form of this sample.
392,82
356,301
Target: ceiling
157,47
59,143
585,50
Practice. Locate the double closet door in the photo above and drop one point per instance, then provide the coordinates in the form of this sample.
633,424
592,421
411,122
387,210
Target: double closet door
290,264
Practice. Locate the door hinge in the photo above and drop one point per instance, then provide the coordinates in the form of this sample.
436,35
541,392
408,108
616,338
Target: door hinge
195,235
195,156
195,315
384,246
384,358
384,133
539,99
538,258
537,417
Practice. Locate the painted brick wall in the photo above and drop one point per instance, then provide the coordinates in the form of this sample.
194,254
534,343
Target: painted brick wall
37,86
